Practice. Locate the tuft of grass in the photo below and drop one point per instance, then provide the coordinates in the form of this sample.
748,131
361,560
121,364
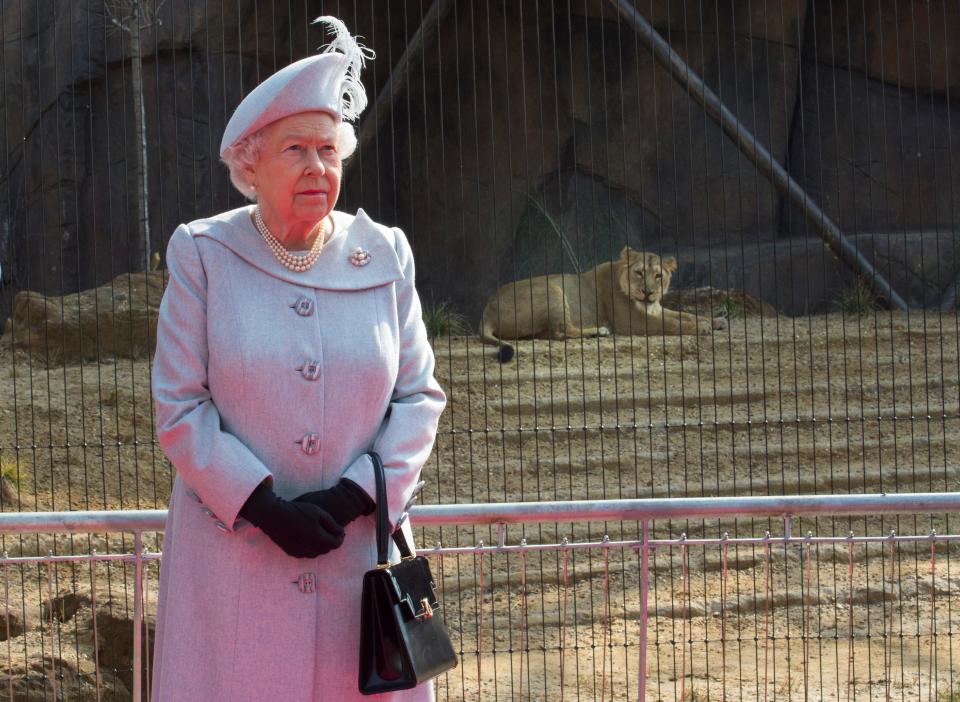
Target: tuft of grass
858,298
950,696
729,308
695,695
442,320
9,471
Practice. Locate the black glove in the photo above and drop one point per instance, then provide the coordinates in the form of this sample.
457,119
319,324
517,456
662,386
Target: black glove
345,501
301,529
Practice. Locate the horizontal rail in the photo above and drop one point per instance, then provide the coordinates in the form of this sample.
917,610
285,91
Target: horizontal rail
524,547
93,557
653,544
556,511
686,508
91,521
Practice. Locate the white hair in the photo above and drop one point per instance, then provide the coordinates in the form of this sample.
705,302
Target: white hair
245,153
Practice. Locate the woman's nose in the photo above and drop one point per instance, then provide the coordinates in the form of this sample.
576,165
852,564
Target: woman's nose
315,162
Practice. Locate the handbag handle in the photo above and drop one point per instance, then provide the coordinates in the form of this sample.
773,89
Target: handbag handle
382,518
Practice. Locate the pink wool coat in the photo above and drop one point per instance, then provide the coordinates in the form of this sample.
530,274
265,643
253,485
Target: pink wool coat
262,371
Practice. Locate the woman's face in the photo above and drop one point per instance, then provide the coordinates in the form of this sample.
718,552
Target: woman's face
297,176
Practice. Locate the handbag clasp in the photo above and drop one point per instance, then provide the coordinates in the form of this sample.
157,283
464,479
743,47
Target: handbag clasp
427,612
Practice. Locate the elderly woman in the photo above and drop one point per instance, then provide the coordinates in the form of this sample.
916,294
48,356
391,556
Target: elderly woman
289,344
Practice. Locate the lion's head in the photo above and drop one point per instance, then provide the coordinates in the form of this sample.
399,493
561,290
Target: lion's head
643,276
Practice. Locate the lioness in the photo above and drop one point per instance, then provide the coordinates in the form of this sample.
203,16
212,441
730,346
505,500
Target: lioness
621,296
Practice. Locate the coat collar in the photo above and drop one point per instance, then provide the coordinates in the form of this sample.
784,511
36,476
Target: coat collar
333,270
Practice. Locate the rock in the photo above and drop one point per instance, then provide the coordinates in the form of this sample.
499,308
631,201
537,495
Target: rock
909,44
717,302
14,621
65,606
33,680
869,595
801,276
874,159
562,129
680,610
649,140
725,17
71,221
920,586
117,319
115,644
611,149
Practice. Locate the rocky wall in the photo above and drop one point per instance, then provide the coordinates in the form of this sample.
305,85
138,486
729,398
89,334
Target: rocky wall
528,137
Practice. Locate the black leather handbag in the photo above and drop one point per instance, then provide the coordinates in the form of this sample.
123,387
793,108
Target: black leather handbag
403,641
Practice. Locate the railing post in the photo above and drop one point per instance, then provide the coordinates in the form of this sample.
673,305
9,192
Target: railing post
644,594
137,615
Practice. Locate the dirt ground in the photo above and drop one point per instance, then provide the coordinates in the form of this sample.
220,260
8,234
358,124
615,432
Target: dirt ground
771,405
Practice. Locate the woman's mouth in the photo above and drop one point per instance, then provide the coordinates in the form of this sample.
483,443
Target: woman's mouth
312,192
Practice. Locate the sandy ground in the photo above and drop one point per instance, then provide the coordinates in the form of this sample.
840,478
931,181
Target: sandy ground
769,406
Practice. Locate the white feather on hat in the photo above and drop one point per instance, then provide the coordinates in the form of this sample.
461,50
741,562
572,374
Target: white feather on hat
329,81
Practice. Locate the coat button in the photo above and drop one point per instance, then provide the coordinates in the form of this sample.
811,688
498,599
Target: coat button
303,306
306,583
220,525
194,496
311,370
209,512
310,443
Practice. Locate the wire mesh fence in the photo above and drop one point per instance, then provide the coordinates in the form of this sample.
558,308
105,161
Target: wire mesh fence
763,615
70,625
797,160
726,621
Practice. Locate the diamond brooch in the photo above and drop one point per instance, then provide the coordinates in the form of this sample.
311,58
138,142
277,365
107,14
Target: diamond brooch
360,257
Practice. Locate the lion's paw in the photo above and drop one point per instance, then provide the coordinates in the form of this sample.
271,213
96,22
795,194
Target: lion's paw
603,331
719,323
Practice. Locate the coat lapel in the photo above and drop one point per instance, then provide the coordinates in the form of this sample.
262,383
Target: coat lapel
333,270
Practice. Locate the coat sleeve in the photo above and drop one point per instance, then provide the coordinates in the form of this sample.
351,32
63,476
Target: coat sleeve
213,462
410,427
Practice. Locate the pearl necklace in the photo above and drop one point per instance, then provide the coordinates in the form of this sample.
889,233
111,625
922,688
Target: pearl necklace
298,263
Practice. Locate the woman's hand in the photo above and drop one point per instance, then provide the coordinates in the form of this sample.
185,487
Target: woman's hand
345,501
301,529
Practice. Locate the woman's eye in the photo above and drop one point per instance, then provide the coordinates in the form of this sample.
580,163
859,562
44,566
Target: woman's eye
293,147
329,149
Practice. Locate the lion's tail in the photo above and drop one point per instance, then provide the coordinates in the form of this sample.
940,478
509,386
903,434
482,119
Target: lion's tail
505,352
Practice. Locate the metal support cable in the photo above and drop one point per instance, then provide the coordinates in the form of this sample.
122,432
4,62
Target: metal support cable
756,153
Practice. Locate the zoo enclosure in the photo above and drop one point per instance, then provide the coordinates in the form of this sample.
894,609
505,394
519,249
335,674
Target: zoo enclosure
514,139
588,638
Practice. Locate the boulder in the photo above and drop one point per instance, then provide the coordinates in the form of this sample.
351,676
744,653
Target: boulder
498,152
520,120
759,20
115,320
802,277
717,302
15,621
910,44
649,139
872,156
115,644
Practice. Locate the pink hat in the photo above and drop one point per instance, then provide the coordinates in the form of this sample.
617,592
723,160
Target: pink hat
329,81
